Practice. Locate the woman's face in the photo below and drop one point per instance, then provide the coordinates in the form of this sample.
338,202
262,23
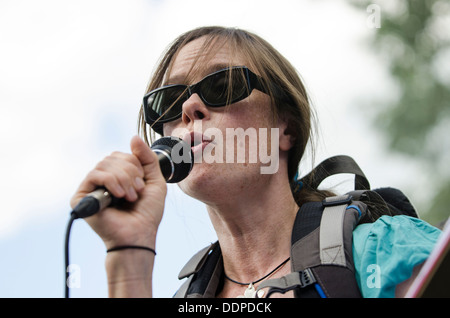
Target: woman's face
224,162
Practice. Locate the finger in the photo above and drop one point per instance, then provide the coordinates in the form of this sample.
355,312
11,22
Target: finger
128,171
147,158
125,180
126,157
96,179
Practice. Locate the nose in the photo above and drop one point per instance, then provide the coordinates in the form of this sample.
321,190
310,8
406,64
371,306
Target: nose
194,109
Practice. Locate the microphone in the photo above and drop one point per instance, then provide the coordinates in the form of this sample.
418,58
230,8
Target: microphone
175,160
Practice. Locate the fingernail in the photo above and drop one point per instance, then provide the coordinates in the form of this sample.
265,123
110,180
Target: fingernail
140,184
119,190
132,195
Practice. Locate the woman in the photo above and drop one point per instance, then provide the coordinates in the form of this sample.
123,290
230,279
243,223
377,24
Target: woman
252,212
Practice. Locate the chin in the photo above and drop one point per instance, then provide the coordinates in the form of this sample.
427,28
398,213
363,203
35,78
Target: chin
201,183
211,183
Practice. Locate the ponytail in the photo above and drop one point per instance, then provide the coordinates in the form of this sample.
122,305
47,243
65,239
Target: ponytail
303,193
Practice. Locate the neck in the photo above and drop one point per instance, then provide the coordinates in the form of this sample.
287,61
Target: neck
254,231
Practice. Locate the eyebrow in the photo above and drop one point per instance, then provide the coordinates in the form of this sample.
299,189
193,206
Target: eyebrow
181,79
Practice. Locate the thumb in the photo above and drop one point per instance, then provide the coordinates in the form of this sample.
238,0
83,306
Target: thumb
148,159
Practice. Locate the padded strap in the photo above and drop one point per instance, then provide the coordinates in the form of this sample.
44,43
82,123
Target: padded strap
182,291
203,271
196,262
331,238
336,165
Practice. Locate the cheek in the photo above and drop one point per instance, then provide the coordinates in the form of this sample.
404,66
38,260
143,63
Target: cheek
175,128
253,112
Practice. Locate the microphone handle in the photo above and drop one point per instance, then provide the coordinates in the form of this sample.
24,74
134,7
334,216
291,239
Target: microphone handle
94,202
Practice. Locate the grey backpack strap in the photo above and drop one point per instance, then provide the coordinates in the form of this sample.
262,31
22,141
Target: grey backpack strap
192,267
182,291
321,246
331,238
196,262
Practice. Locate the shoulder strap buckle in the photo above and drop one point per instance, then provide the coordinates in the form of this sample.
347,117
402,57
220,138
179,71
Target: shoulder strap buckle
337,200
288,282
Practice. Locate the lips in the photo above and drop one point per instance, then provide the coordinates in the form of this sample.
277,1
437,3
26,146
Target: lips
197,140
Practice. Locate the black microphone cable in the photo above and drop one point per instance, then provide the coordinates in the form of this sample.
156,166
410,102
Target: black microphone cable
89,205
66,255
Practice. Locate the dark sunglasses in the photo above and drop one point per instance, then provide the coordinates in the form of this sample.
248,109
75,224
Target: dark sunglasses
164,104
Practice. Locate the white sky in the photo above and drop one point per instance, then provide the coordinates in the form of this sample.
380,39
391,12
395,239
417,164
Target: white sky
72,75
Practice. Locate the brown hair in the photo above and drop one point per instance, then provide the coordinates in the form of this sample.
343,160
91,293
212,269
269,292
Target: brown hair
289,97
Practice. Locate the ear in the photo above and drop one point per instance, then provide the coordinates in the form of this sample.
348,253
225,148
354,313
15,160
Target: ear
286,138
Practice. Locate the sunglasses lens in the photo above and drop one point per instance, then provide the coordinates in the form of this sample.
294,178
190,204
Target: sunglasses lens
166,103
219,89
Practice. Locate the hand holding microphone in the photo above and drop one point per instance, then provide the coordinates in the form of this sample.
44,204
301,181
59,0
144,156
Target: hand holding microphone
136,181
139,179
175,161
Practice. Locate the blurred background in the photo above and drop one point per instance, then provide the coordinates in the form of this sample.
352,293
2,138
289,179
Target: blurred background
72,77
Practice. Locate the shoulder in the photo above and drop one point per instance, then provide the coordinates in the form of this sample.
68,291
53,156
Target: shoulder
386,251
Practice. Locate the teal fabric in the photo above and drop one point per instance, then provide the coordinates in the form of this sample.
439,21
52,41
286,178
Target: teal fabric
386,251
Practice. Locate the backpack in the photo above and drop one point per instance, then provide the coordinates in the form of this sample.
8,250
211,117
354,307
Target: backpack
321,252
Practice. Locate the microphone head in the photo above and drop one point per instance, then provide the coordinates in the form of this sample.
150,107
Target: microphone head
179,155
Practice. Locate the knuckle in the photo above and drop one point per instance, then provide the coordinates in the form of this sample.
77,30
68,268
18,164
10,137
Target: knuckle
109,179
104,164
116,154
92,175
123,179
134,161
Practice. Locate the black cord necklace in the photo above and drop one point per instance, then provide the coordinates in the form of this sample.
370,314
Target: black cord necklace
250,292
